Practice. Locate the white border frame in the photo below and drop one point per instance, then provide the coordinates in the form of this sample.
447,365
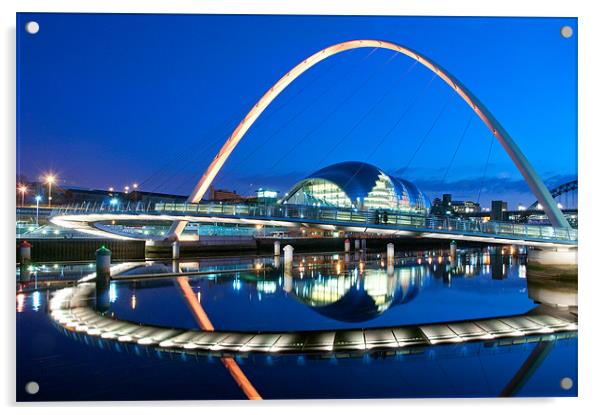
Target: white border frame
590,147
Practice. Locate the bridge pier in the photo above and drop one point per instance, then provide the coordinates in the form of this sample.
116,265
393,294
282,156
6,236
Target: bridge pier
288,256
175,250
357,244
453,247
103,278
390,253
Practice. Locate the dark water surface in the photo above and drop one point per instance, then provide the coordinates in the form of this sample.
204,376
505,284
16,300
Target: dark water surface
320,292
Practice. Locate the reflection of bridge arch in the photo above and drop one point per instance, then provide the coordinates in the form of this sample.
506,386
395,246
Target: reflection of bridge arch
533,180
567,187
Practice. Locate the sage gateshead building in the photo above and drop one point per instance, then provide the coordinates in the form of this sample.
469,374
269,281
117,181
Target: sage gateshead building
358,185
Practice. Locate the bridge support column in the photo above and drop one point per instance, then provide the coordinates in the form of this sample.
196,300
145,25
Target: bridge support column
103,278
364,244
390,253
453,247
347,245
277,248
288,256
356,244
175,250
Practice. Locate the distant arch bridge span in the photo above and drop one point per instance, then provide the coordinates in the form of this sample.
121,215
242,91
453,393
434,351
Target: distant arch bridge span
535,183
564,188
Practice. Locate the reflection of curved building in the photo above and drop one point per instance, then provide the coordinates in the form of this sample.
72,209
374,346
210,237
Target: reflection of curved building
358,185
355,298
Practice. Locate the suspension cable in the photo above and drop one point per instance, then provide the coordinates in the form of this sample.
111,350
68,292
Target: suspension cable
412,103
458,146
366,114
485,169
335,109
426,135
191,155
331,86
186,152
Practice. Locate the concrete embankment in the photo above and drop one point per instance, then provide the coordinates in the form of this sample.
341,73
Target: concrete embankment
226,245
206,245
81,249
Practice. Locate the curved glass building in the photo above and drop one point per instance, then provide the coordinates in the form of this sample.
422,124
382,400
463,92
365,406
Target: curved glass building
358,185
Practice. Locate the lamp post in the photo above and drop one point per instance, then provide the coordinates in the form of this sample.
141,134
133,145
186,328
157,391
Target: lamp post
50,180
38,198
22,190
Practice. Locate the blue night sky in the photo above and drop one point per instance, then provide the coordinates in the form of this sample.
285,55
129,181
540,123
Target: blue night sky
108,100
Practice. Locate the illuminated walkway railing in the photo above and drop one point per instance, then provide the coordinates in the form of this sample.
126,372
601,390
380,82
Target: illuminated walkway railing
369,218
336,217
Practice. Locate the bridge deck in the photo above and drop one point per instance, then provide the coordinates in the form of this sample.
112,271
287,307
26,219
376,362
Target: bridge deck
348,220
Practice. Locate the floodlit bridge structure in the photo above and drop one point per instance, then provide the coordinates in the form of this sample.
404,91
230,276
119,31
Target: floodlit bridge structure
528,172
559,233
98,221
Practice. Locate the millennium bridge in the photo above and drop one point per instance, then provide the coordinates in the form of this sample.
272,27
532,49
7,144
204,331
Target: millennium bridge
94,219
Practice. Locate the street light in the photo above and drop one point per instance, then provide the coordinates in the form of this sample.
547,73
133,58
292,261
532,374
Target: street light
50,179
135,185
38,198
22,190
127,189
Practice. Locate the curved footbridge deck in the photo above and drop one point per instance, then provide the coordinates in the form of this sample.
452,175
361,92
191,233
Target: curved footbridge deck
71,308
95,220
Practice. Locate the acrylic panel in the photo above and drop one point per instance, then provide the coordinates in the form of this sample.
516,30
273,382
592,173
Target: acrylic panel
295,207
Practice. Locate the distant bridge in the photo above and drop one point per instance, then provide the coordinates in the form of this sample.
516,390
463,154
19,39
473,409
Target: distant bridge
564,188
97,221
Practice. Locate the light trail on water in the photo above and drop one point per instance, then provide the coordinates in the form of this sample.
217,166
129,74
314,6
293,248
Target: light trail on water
205,324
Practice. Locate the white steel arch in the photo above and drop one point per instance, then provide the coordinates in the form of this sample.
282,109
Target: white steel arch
531,177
